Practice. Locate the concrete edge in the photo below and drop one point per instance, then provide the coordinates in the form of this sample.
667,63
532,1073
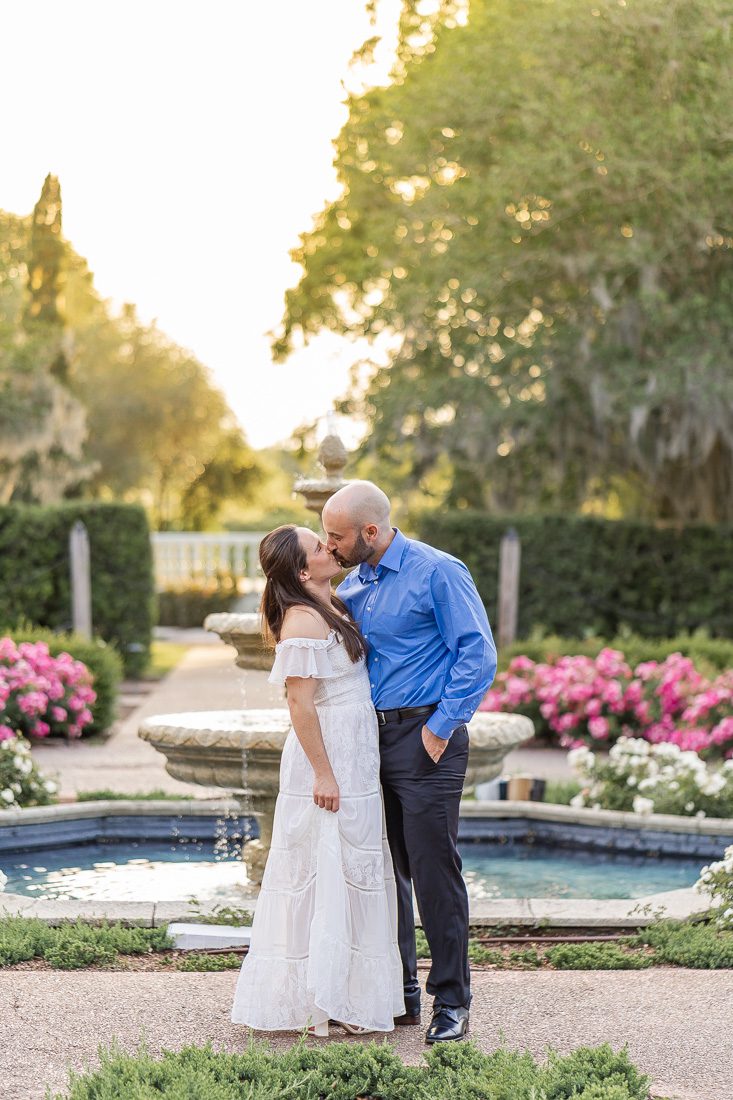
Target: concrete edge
523,912
532,811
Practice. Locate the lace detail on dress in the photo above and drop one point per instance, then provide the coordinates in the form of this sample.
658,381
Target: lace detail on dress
302,657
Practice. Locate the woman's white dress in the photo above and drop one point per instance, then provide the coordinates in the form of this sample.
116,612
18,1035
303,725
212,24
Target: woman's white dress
324,935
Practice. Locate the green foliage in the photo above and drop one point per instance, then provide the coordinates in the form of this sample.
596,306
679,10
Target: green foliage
484,956
232,915
421,942
596,956
196,961
346,1071
102,660
72,946
557,274
21,782
583,576
560,791
189,604
34,572
697,945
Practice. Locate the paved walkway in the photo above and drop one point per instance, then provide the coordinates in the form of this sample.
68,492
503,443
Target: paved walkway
206,679
675,1022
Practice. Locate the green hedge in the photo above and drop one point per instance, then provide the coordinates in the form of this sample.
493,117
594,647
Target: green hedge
34,572
102,660
583,576
188,604
710,655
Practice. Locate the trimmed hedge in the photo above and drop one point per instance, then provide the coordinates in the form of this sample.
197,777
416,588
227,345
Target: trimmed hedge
188,605
710,655
583,576
34,572
102,660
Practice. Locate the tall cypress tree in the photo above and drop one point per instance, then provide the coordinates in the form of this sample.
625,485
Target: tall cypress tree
46,262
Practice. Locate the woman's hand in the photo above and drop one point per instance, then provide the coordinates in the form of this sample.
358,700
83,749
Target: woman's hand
326,793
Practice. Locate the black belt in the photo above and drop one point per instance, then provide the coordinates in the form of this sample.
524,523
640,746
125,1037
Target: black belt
402,714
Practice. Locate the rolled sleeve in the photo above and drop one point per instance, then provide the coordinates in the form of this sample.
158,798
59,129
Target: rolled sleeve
464,628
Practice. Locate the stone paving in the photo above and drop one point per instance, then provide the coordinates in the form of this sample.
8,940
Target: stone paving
677,1023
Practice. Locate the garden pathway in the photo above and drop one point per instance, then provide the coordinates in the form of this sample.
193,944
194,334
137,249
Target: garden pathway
206,679
675,1022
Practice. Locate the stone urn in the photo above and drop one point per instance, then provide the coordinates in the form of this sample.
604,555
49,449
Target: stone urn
243,630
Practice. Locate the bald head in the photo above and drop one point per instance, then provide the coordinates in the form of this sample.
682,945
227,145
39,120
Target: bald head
356,521
360,503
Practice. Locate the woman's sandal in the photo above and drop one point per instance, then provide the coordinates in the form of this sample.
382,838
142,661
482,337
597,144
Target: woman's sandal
352,1029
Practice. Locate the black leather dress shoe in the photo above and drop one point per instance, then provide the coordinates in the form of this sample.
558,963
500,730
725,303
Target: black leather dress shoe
447,1025
412,1010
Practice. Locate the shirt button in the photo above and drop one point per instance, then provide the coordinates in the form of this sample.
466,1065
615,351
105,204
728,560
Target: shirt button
376,582
376,658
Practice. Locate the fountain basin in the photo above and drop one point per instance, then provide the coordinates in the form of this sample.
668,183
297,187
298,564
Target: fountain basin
240,750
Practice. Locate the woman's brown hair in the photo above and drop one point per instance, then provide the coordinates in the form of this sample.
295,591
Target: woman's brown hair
282,559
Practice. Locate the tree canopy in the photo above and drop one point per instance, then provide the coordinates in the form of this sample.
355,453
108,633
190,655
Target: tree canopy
98,403
537,212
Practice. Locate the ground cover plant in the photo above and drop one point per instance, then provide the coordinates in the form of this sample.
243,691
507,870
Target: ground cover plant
72,946
345,1071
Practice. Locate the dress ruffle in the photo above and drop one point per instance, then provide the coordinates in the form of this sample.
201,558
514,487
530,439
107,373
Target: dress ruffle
302,657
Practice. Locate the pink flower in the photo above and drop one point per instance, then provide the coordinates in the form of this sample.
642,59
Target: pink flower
598,728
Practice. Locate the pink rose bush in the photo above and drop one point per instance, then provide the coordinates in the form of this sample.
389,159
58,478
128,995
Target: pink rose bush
41,694
587,701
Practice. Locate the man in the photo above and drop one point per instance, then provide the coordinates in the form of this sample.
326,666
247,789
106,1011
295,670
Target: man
431,659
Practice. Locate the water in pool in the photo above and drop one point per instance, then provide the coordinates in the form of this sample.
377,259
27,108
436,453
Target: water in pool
159,871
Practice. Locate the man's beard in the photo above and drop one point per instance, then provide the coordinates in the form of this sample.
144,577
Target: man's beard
360,552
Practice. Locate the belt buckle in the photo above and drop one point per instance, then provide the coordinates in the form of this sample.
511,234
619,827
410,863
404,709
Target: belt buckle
381,720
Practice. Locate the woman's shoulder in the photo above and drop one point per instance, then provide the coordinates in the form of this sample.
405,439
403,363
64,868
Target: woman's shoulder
303,622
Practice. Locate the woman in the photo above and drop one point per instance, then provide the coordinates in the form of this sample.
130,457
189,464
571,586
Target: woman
324,936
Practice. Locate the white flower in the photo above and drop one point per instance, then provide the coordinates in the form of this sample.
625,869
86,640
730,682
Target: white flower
700,813
714,784
674,785
647,784
643,805
578,801
580,759
50,786
631,781
689,807
7,795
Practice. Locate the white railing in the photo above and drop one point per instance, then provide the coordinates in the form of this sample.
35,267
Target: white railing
182,557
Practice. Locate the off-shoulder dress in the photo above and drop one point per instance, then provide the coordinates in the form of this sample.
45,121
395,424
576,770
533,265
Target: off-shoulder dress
324,935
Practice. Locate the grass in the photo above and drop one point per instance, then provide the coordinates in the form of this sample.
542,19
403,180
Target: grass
164,656
104,794
560,791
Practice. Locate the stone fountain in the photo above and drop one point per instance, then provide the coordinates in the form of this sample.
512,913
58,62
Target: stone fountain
240,750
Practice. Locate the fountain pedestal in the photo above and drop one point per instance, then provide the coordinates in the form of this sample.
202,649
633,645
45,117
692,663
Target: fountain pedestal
240,750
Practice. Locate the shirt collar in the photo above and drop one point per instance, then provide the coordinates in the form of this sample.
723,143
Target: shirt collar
391,559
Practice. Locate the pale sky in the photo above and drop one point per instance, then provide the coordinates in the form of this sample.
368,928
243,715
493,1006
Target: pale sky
192,140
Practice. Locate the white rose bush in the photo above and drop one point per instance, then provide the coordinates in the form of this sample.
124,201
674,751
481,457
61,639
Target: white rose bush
21,783
647,778
717,881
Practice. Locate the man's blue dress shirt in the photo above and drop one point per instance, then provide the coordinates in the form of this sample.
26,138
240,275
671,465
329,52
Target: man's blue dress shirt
428,635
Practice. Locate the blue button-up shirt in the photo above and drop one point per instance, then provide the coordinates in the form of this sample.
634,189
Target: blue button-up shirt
428,635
